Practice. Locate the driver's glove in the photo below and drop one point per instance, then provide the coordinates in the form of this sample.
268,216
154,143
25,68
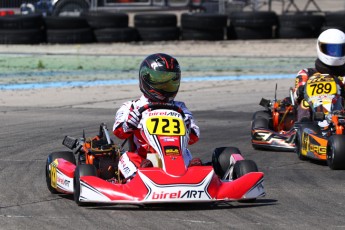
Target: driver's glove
300,93
133,119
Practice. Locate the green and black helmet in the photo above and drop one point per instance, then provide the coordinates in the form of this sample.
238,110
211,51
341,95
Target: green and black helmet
159,77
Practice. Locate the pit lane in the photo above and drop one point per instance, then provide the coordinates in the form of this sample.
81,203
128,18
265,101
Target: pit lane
300,194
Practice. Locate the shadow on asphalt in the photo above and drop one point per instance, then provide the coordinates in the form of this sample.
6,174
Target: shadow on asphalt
183,206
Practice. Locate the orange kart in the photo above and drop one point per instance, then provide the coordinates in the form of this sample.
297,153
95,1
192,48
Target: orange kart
322,138
272,128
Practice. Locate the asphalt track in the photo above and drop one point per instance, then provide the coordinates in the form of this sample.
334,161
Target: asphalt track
300,195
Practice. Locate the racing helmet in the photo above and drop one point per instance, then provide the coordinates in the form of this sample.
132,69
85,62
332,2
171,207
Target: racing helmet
331,47
159,77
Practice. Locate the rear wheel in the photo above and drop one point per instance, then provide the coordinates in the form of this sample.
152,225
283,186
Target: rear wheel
260,122
336,152
66,155
82,170
263,113
261,119
221,159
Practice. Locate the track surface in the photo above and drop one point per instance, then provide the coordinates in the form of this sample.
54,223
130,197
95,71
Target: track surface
300,195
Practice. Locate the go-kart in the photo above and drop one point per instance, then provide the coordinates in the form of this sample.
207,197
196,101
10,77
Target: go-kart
94,176
272,128
322,137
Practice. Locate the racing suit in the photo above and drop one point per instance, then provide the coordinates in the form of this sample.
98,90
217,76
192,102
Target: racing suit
338,72
138,148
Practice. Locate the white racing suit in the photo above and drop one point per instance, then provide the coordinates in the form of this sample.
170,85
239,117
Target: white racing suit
131,160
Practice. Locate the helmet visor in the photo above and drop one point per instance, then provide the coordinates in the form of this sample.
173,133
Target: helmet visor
166,81
333,50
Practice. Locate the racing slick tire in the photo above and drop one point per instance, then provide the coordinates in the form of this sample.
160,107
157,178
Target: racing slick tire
82,170
66,155
260,122
261,119
298,144
262,113
241,168
335,152
221,159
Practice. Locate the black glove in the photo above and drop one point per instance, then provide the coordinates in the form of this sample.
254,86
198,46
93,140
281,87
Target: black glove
342,92
133,119
300,93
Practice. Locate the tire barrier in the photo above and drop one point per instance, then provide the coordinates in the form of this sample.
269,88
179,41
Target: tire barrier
157,27
22,29
300,25
334,20
67,30
109,27
253,25
203,26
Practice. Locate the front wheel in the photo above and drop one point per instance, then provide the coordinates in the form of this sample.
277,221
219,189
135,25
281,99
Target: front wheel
221,159
298,145
242,168
82,170
336,152
51,172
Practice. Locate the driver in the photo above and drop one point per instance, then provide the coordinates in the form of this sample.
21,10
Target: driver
331,60
159,81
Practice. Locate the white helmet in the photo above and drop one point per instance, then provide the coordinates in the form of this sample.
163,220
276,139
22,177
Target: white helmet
331,47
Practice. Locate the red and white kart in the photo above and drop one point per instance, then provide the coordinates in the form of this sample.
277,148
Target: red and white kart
95,178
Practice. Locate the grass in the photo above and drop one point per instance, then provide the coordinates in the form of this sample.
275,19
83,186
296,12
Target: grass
44,68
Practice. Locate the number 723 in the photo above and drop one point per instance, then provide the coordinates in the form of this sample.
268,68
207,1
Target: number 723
164,125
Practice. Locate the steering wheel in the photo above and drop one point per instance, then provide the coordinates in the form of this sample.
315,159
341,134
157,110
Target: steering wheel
155,106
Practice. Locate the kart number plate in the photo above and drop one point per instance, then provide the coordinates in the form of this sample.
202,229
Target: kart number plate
321,88
53,174
165,125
